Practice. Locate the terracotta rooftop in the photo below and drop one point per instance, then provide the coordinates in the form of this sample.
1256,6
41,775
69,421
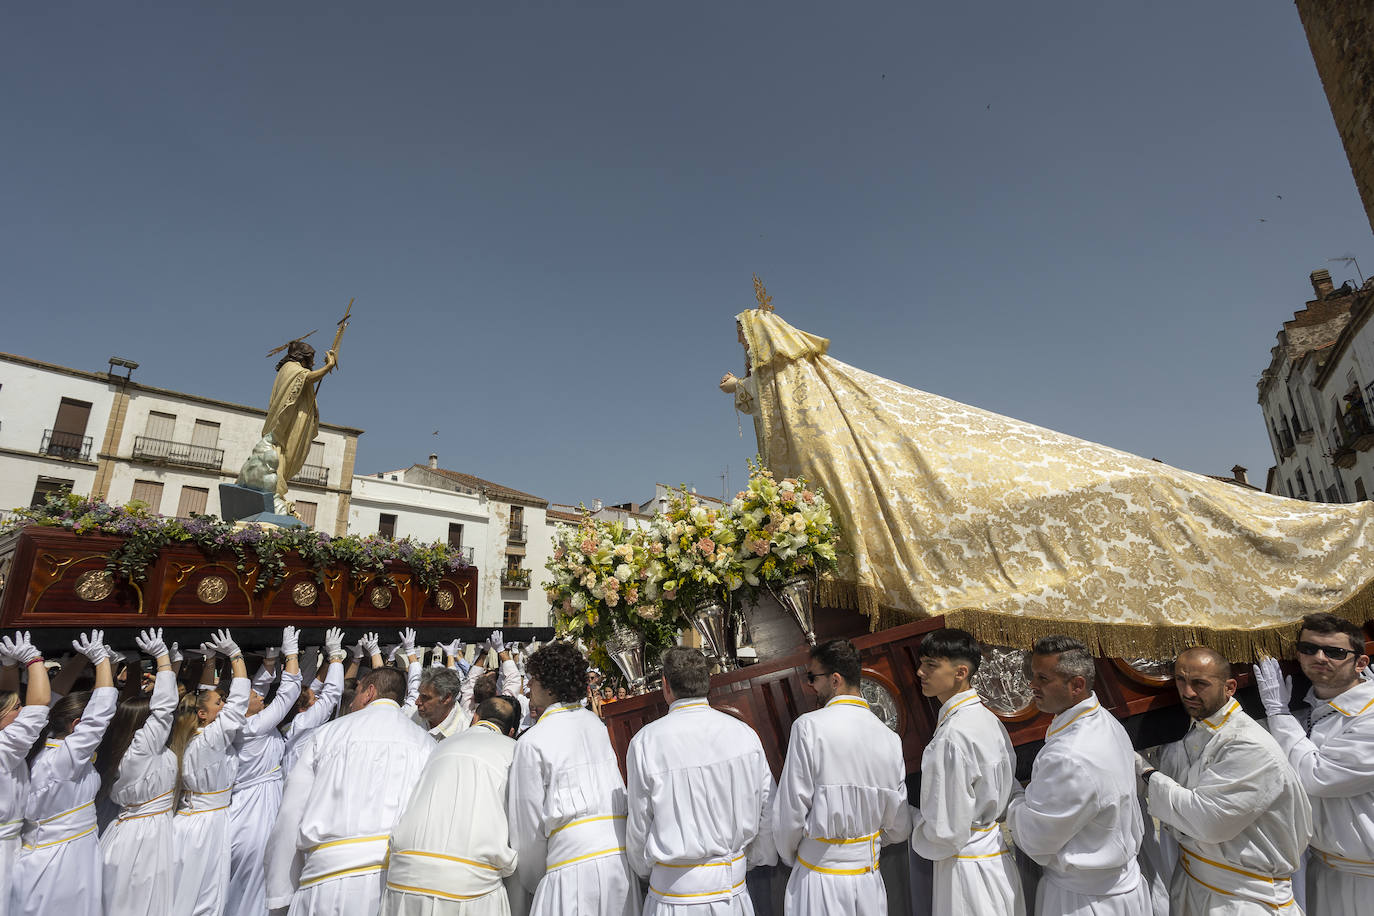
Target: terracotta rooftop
556,515
477,484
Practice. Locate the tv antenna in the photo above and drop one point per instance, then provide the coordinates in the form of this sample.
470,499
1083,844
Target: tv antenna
1349,261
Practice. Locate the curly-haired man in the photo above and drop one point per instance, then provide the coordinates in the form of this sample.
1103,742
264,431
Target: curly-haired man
567,799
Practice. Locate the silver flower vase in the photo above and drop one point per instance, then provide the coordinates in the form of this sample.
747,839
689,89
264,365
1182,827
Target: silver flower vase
626,649
795,595
711,620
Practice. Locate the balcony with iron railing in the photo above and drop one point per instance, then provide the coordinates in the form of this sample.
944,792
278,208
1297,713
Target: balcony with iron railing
516,535
317,474
70,446
513,577
184,454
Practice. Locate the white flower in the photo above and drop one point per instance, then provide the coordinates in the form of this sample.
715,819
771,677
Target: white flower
624,573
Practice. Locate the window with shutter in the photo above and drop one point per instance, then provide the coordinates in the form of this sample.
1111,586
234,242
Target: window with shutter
148,492
305,511
192,501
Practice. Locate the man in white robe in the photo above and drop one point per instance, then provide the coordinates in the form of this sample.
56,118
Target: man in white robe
968,771
1228,795
328,850
436,706
450,851
1332,752
1080,817
700,794
842,795
567,799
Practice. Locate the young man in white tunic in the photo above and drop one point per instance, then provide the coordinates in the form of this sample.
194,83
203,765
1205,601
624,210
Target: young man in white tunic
968,772
450,850
1228,795
842,794
1080,817
327,853
567,799
700,795
1332,751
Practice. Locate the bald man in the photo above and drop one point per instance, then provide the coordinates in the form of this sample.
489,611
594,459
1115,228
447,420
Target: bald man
1228,795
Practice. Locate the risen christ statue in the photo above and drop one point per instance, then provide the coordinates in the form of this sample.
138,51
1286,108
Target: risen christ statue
293,419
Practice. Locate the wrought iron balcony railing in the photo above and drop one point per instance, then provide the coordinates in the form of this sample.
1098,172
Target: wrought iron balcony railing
72,446
517,534
515,578
464,553
165,451
318,474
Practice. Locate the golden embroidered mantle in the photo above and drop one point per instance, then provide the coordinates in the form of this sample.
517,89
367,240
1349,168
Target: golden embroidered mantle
1014,531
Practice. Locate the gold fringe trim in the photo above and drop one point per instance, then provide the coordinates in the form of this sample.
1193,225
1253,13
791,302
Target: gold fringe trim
1109,640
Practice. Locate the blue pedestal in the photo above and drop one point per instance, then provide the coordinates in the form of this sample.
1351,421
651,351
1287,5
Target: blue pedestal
245,504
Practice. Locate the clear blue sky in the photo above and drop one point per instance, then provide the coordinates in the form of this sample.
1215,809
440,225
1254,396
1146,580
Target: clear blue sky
549,213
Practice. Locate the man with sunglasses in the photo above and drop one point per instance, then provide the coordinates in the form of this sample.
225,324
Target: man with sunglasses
842,795
1333,754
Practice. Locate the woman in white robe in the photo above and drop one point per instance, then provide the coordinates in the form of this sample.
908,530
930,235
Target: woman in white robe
19,729
258,751
204,736
139,773
58,870
316,705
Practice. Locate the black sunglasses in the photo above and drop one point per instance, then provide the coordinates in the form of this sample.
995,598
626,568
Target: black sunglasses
1335,653
811,676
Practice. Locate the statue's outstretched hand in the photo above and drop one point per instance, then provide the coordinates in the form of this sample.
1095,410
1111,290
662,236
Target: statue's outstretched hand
728,383
331,359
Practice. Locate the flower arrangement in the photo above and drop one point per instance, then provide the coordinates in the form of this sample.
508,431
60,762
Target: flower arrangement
784,528
145,534
694,553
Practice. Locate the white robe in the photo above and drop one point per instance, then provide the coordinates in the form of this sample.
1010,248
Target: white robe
446,865
15,741
258,753
1335,766
327,697
700,810
841,798
202,819
1080,818
327,853
137,847
1242,820
968,771
567,817
58,870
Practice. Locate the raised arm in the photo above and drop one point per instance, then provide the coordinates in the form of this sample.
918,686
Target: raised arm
227,725
17,737
81,744
287,692
151,737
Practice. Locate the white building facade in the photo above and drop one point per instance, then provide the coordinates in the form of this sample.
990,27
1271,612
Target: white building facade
504,532
1317,394
105,435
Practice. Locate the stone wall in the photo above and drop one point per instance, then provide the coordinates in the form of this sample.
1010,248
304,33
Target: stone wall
1341,34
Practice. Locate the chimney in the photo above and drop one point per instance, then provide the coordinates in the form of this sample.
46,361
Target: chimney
596,505
1321,283
433,460
1238,473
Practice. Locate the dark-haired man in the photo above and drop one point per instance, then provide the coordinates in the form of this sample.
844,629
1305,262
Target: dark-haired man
1333,754
444,865
842,795
567,798
1228,795
328,850
1080,817
968,771
699,792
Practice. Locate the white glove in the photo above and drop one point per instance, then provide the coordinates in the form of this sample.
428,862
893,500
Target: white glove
290,641
1142,766
224,644
174,653
270,652
496,642
150,643
454,649
92,645
390,652
333,641
358,651
436,657
370,644
207,651
20,649
408,640
1275,690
